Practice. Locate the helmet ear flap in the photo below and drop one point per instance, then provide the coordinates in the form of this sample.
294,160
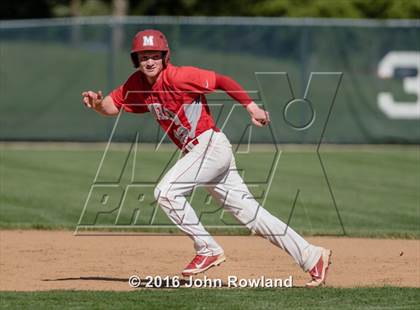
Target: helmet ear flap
135,60
165,58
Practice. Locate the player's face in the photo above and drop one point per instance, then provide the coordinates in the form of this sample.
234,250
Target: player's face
151,63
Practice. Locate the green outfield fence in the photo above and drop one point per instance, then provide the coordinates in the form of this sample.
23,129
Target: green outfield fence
365,81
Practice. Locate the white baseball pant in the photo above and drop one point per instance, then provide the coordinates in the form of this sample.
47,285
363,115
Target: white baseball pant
211,163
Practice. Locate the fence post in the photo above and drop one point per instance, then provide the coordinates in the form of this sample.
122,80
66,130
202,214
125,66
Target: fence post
304,56
112,49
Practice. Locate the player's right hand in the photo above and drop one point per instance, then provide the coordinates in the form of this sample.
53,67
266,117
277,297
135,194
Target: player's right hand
91,99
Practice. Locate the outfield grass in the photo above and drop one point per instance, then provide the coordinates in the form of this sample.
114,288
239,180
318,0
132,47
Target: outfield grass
294,298
375,188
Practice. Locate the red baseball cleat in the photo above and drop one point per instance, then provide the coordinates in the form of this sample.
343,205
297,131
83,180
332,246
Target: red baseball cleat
319,272
201,263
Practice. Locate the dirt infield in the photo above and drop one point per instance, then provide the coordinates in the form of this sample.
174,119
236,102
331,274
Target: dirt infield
46,260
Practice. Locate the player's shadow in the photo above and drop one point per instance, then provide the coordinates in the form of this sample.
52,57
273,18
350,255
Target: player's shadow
143,282
89,278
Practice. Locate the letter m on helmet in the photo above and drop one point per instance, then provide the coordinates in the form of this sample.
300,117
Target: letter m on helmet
147,40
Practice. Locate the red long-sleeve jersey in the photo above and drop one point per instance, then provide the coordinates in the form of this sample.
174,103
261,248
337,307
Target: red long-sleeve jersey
177,99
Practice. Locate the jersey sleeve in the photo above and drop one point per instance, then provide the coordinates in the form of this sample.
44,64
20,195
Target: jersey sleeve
233,89
125,97
195,80
117,96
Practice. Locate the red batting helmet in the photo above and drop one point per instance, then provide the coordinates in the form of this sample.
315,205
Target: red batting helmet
149,40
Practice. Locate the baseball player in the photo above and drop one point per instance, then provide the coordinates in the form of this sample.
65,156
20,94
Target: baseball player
175,96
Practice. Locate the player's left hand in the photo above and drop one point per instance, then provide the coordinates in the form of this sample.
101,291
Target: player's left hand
259,116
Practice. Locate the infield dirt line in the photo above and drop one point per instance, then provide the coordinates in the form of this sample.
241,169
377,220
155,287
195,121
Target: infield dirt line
32,260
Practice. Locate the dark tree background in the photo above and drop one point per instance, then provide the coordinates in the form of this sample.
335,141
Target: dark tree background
378,9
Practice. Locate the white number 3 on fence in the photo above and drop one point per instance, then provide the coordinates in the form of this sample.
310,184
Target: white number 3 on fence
386,69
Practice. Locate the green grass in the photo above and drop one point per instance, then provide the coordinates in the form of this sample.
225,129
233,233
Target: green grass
376,189
294,298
